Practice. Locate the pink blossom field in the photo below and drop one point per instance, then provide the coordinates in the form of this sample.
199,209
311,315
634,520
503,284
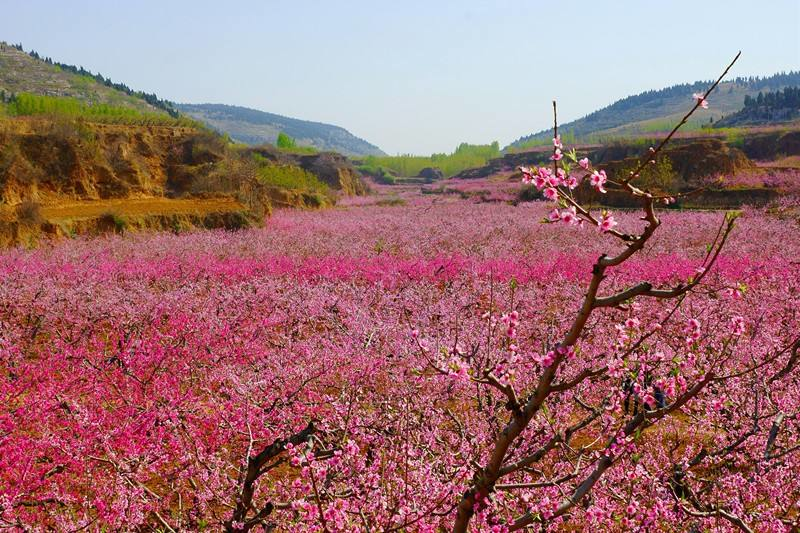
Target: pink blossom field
358,369
785,179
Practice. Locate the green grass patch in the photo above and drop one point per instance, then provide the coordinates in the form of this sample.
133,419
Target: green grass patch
289,177
25,104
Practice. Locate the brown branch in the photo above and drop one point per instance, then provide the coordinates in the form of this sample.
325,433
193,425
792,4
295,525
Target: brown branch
638,423
577,380
646,288
773,435
255,465
485,478
704,511
554,440
790,364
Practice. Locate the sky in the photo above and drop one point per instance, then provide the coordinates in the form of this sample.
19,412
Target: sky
410,76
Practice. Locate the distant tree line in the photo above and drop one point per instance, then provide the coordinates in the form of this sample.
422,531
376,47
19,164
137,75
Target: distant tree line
465,156
766,107
150,98
788,97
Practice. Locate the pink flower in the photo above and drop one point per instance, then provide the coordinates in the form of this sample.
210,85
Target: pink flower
700,98
550,193
649,399
556,155
542,178
632,323
569,216
557,142
584,163
572,182
739,325
607,223
554,216
692,329
526,174
598,179
733,293
547,360
567,352
555,180
718,404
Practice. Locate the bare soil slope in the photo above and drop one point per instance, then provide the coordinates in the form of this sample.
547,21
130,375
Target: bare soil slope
63,177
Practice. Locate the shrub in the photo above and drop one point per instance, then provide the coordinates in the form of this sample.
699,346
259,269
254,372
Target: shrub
291,177
111,222
658,177
284,141
29,213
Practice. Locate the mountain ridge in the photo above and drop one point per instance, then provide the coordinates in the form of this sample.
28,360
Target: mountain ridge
253,126
657,110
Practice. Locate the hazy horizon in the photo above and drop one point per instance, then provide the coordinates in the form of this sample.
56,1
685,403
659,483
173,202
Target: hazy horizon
410,77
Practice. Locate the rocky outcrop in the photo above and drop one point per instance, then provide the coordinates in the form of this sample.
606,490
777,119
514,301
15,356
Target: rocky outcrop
772,145
431,174
692,161
506,163
335,170
155,177
52,161
331,168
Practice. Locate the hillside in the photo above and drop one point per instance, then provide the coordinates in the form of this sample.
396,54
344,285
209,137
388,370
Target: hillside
254,127
80,154
658,110
767,108
23,72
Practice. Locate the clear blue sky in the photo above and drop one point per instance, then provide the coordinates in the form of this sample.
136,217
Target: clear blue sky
407,75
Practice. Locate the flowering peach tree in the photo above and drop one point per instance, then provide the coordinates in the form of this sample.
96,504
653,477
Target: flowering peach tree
581,411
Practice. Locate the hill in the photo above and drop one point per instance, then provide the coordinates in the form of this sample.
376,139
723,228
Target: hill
658,110
82,154
28,72
254,127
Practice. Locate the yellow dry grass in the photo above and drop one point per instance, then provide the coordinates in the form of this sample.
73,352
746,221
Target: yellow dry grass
131,207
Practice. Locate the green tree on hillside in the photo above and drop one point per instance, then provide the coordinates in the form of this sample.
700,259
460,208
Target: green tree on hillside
660,177
285,142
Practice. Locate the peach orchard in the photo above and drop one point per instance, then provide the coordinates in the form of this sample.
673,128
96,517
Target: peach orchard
438,365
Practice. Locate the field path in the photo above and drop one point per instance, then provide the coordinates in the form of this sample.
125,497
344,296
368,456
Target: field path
133,207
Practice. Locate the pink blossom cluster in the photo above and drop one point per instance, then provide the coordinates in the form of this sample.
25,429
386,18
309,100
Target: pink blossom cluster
142,377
